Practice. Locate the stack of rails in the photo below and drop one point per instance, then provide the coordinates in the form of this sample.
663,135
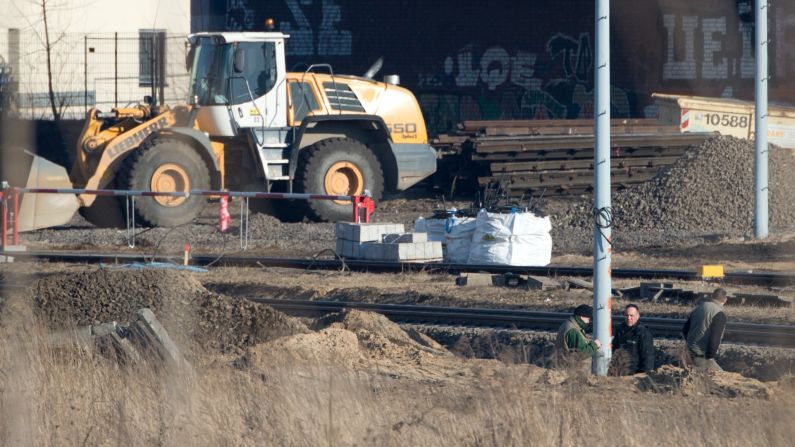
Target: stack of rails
529,157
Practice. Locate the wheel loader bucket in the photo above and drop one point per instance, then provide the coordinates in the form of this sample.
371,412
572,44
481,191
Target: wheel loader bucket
39,210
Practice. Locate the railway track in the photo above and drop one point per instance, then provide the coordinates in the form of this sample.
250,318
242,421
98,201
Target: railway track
768,279
736,332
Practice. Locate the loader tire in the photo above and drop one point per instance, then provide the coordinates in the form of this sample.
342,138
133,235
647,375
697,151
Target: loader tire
105,212
166,165
284,210
290,211
338,166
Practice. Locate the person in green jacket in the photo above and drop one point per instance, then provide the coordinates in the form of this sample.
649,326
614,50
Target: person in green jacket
572,346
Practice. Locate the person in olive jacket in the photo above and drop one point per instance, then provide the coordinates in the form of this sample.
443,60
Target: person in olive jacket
636,342
572,345
704,329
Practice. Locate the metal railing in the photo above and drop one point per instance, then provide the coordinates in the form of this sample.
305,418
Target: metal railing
362,206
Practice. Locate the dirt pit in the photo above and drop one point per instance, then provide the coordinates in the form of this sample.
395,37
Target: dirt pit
260,377
256,334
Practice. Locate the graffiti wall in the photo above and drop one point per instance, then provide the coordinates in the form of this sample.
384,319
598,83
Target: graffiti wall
505,59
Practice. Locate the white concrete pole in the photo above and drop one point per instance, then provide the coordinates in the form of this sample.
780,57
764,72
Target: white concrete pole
760,124
602,208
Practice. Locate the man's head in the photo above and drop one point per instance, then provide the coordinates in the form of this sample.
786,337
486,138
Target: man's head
631,315
720,296
584,311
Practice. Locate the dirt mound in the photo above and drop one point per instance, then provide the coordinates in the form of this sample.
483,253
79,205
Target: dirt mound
670,379
177,298
366,323
229,324
105,295
331,346
355,340
709,189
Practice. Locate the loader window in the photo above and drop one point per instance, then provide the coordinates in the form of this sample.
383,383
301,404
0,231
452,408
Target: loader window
213,78
303,100
258,71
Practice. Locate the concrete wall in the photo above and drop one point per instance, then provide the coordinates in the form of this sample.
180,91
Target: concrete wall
97,16
96,53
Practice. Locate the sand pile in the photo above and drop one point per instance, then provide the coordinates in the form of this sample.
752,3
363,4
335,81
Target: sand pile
357,340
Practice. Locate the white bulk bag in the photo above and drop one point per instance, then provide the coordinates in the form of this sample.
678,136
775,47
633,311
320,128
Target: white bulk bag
455,234
511,239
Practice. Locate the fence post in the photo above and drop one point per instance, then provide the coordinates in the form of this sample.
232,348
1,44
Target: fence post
116,69
85,74
14,60
152,62
161,61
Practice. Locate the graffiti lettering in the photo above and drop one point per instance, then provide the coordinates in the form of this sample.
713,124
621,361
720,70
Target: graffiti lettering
331,41
785,51
684,69
302,37
506,85
494,68
239,16
716,64
710,69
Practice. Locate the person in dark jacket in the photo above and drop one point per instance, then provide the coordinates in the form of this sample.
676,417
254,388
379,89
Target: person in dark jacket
633,343
703,330
572,345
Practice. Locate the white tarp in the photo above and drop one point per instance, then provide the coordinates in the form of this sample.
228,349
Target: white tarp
455,234
511,239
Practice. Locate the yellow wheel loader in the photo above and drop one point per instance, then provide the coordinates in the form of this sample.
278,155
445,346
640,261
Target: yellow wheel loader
253,126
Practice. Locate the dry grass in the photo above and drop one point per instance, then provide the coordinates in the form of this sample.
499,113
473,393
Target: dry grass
76,397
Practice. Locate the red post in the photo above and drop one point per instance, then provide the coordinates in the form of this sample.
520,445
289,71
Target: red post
5,219
224,218
15,237
366,204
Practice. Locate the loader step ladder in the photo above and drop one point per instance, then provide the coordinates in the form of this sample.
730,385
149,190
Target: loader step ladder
272,149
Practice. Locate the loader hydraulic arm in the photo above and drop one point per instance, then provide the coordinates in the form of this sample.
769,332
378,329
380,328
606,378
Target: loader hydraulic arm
100,130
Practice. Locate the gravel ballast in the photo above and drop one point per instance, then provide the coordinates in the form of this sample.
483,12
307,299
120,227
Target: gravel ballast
707,194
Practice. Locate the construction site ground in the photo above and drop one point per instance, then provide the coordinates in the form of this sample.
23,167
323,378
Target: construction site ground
260,377
255,376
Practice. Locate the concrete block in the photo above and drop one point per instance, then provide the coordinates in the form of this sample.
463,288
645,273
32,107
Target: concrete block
541,283
360,232
399,238
436,250
340,248
578,283
373,251
359,250
475,279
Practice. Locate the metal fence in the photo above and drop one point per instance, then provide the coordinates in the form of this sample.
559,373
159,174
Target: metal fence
91,70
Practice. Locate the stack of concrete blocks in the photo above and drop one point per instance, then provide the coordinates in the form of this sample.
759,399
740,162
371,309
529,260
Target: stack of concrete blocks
385,242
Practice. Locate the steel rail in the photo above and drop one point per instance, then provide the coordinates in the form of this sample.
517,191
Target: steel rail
739,278
737,332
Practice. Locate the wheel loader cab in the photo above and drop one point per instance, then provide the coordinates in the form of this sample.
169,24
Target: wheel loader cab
239,81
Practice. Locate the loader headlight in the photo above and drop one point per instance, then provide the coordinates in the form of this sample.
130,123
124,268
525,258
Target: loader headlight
269,25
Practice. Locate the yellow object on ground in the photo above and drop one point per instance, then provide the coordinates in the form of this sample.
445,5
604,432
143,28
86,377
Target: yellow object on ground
711,271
